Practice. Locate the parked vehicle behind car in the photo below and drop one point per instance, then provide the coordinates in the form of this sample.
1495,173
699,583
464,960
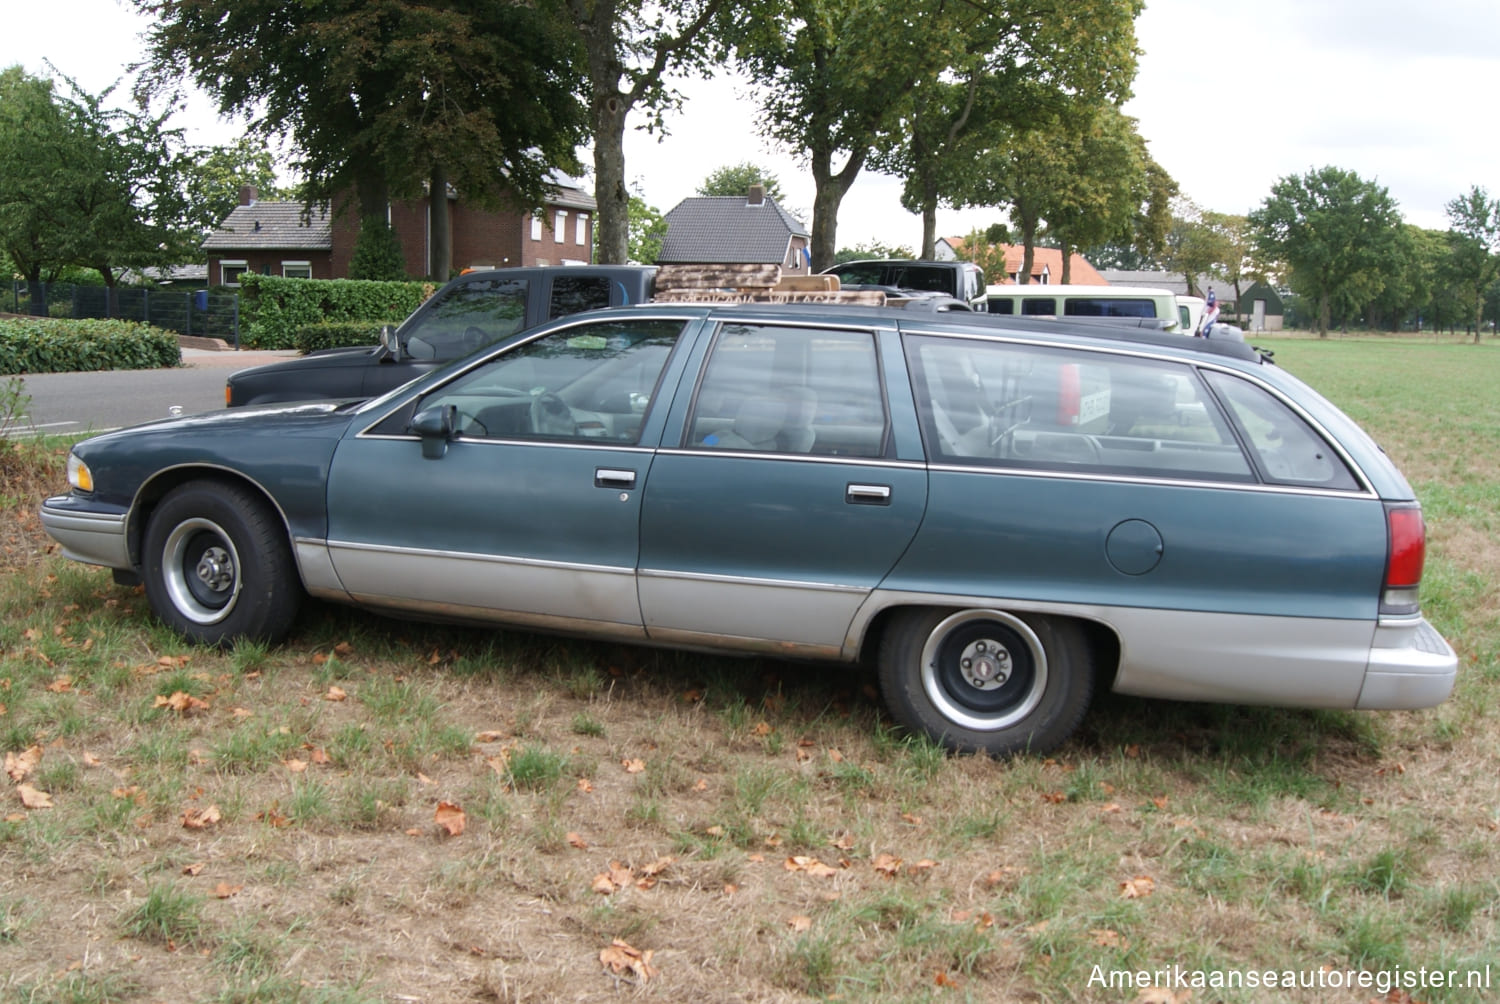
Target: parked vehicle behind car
960,280
472,311
1077,301
997,514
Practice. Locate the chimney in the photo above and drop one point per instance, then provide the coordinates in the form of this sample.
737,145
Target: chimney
757,195
247,195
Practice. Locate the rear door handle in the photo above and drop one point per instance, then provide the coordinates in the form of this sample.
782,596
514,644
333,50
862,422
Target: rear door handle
609,477
867,494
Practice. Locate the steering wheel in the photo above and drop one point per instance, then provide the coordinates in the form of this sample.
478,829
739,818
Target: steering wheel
551,416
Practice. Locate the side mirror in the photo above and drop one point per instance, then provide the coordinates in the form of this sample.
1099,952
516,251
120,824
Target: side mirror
435,426
390,343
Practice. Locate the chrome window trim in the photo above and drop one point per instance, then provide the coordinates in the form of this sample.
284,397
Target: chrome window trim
801,458
565,444
1365,489
500,559
1141,479
747,580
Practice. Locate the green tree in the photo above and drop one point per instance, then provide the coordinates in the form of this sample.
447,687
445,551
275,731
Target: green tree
648,228
872,250
377,251
1335,232
736,179
216,174
34,150
630,48
1474,247
389,97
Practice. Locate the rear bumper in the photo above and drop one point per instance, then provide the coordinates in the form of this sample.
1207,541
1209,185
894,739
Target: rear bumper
1411,666
91,536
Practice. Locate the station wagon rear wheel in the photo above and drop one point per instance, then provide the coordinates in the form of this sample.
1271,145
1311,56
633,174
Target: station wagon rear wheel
218,566
986,680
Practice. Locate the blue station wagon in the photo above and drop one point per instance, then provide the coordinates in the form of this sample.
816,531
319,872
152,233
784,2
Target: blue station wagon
992,512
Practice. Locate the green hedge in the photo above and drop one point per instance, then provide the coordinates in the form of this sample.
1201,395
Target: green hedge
274,309
337,334
43,345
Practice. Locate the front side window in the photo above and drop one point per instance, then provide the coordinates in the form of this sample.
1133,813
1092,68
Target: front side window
994,403
1287,449
467,318
573,295
589,382
770,389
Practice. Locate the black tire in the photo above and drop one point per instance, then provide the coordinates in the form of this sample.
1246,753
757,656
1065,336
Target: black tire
218,565
985,680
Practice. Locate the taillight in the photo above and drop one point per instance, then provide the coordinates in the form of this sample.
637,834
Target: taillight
1069,393
1406,549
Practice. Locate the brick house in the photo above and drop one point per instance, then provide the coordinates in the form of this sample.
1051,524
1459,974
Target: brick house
276,238
1046,264
735,230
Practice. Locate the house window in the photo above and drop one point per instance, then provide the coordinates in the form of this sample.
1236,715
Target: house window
296,269
231,270
560,230
581,231
536,227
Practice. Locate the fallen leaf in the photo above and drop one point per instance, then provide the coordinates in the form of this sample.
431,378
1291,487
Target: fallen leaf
944,980
809,865
335,694
803,755
620,958
926,864
585,785
273,817
761,729
1160,801
730,888
61,685
242,713
343,649
1138,888
32,798
844,842
195,868
800,923
1055,797
1105,938
451,818
489,736
294,765
835,755
633,766
20,765
887,864
907,817
181,702
714,831
424,779
201,818
574,840
224,890
701,784
320,756
1111,807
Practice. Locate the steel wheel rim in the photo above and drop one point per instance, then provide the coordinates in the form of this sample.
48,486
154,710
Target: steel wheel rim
1004,680
201,570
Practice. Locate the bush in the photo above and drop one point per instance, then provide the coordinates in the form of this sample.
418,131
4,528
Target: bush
42,345
337,334
274,309
377,252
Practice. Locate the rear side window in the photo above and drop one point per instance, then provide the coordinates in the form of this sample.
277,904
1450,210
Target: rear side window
1038,305
575,294
994,403
469,316
1002,305
771,389
1287,450
1100,306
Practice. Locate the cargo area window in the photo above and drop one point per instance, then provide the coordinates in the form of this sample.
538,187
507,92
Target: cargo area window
575,294
999,404
1287,450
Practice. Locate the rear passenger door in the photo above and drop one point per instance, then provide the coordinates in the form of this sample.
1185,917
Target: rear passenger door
786,499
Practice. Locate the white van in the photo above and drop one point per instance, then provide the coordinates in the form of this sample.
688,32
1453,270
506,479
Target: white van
1087,301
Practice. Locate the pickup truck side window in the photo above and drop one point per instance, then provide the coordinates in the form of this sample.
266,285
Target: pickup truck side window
589,382
988,403
469,316
771,389
574,294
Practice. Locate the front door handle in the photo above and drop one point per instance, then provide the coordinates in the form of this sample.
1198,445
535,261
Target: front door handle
868,494
608,477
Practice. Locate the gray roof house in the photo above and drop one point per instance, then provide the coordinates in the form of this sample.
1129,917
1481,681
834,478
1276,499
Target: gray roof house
735,230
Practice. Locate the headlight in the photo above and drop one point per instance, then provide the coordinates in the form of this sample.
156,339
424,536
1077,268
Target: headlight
79,475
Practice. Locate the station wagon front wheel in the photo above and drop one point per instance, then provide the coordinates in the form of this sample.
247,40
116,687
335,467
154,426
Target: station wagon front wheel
218,566
986,680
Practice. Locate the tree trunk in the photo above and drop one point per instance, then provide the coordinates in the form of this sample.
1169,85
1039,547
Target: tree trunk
440,226
929,221
612,226
1478,313
1028,245
1325,314
1067,260
38,295
828,192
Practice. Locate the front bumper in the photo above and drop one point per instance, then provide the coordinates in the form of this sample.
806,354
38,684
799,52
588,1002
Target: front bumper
1411,666
88,533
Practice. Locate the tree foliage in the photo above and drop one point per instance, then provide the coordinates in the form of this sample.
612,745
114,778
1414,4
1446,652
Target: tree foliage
1336,234
648,228
1474,247
213,180
736,179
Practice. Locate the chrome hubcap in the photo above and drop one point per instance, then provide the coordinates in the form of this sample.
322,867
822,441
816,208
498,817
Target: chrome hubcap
985,664
216,569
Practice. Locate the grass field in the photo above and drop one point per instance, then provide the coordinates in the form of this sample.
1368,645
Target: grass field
377,811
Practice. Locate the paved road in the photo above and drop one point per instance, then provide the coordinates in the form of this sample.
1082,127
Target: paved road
70,403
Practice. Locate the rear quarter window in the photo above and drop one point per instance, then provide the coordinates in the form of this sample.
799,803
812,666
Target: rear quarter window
1287,450
1099,306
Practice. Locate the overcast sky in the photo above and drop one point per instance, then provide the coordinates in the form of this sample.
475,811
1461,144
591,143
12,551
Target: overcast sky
1230,95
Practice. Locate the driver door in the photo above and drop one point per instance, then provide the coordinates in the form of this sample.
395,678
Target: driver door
529,512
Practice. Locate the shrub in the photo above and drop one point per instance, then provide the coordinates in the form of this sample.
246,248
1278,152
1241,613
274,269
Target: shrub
43,345
377,252
274,309
337,334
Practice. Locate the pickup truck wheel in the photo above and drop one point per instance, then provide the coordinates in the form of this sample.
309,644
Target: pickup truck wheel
986,680
218,566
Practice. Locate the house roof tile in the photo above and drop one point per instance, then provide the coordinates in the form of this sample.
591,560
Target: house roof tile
725,229
272,226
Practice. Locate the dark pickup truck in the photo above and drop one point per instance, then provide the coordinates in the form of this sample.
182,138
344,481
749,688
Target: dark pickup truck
467,314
